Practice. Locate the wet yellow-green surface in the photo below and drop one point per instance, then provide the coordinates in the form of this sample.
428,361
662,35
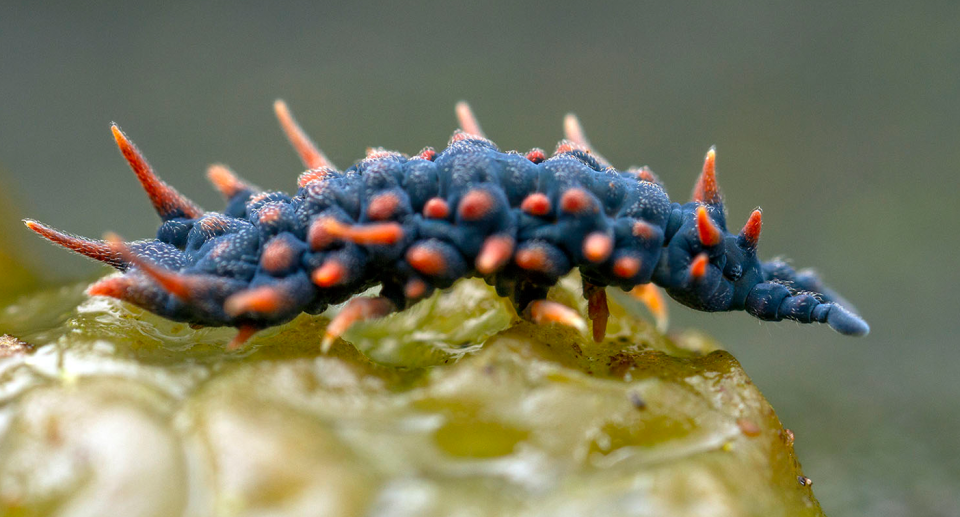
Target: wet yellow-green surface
452,408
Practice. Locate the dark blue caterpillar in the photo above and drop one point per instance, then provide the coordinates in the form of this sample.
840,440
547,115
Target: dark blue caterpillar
415,224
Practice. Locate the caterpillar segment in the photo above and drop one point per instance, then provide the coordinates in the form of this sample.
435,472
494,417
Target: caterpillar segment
418,223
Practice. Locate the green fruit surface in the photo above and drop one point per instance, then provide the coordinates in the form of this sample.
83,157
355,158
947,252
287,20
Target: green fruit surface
452,408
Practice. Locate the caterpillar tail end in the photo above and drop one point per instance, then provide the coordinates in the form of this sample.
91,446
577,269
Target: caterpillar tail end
846,322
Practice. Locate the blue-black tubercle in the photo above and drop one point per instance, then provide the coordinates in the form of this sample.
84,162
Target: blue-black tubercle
223,253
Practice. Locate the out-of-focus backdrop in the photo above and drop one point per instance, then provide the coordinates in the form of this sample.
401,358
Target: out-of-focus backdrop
842,122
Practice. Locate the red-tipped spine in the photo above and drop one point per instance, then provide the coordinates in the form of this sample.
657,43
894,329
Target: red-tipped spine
573,131
698,268
707,190
707,230
468,121
311,155
226,181
750,234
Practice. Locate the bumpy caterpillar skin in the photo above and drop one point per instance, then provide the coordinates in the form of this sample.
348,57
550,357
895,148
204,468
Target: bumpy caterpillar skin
418,223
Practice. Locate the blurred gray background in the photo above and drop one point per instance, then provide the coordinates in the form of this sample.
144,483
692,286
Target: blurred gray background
842,122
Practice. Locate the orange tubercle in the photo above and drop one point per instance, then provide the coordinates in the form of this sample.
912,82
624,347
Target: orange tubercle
331,273
383,206
494,254
532,259
414,289
644,230
313,175
576,201
324,231
536,155
476,205
537,204
264,300
698,268
597,247
565,146
436,208
211,223
269,214
427,260
626,267
645,174
277,256
319,236
385,234
428,153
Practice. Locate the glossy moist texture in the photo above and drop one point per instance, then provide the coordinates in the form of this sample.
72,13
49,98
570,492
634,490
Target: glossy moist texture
117,408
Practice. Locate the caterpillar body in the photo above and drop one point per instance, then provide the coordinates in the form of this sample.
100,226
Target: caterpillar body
418,223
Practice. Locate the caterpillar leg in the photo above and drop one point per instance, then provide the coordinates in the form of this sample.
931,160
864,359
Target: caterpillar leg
357,309
244,334
597,309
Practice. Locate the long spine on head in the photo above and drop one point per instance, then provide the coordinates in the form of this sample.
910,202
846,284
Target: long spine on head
166,200
95,249
311,155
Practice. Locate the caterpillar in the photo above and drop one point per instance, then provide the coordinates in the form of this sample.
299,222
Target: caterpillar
414,224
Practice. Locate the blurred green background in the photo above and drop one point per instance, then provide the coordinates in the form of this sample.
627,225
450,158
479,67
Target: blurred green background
840,121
